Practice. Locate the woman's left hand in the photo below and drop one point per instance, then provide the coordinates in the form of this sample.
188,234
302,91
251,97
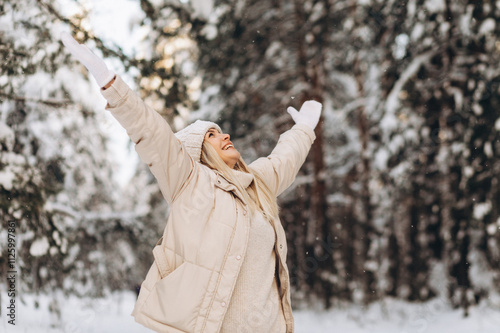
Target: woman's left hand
308,115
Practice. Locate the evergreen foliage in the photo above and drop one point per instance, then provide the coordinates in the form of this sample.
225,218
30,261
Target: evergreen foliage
399,196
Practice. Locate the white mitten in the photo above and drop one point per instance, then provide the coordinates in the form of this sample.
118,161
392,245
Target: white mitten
308,115
94,64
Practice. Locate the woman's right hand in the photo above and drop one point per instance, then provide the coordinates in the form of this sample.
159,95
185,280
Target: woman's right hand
94,64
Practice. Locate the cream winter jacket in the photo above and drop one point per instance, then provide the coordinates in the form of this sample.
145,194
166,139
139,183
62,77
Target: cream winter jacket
205,238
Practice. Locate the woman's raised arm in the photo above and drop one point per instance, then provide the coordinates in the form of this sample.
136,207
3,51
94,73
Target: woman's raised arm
155,142
280,168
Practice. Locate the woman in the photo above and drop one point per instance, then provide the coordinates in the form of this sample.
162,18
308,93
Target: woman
221,266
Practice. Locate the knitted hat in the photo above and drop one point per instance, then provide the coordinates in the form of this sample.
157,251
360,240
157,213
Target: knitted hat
193,135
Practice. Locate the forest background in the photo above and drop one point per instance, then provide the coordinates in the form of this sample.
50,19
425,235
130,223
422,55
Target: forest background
399,196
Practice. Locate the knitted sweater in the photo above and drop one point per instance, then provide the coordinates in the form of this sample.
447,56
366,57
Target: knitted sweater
255,304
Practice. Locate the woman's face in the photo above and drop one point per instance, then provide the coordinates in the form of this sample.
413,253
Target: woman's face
223,146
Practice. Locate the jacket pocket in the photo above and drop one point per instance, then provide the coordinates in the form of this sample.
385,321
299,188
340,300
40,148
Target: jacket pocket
176,299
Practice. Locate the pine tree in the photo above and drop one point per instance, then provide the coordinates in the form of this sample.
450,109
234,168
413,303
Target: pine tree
74,231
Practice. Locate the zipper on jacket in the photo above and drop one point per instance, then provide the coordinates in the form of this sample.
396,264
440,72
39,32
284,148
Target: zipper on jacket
220,275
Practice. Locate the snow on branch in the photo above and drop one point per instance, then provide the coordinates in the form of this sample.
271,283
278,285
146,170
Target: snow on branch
392,102
351,106
107,51
58,208
49,102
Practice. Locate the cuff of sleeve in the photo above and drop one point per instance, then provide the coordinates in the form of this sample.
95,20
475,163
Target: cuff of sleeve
306,129
116,93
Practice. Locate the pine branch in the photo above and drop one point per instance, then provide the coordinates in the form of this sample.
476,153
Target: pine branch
68,211
392,102
50,102
118,52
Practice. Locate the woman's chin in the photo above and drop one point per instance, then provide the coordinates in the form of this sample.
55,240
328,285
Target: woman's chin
231,156
238,155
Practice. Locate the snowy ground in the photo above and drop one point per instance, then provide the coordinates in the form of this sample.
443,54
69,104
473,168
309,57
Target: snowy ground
112,315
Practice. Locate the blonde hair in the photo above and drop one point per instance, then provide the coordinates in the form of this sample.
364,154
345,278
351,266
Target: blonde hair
258,195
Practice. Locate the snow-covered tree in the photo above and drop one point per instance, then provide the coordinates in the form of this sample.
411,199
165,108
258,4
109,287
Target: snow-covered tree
75,228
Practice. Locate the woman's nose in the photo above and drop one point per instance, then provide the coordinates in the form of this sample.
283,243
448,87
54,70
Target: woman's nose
226,137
